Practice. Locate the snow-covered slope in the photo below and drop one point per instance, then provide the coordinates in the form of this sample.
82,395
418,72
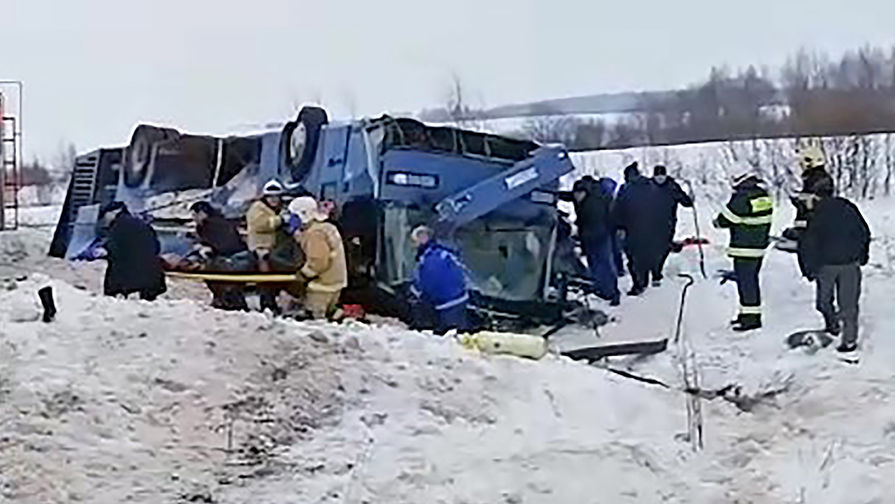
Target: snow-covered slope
128,401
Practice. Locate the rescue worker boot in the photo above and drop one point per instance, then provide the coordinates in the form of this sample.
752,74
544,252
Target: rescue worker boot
748,323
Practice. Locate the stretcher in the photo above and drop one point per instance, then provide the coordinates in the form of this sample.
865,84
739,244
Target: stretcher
253,278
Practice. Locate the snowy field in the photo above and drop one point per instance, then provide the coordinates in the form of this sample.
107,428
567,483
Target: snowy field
126,401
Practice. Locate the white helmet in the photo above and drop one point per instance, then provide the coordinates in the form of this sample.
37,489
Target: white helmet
306,208
272,188
739,173
811,155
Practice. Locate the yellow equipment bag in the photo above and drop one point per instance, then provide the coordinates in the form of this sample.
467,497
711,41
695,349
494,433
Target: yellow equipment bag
520,345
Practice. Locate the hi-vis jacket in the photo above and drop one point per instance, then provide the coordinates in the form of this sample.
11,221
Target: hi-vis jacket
748,215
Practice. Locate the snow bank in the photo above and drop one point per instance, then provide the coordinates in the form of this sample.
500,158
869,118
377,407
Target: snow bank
21,247
172,401
131,401
42,195
45,216
122,400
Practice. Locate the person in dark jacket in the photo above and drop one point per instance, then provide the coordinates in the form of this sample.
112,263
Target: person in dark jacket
832,250
637,213
592,218
222,249
814,171
132,253
439,285
748,215
670,195
215,231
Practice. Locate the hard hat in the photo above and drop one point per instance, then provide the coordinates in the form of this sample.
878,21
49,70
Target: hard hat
272,188
739,173
306,208
811,156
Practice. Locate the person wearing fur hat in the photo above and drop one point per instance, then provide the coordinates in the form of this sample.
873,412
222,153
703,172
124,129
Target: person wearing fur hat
748,216
325,270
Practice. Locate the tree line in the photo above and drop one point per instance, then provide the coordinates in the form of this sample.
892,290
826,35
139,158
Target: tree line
811,94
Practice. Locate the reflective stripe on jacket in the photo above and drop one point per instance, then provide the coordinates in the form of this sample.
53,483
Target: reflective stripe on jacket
748,215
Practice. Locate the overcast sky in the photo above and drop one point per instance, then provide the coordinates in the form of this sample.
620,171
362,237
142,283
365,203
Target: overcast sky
95,68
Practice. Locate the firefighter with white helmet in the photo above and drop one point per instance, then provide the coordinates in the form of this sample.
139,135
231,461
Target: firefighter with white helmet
268,239
748,217
324,271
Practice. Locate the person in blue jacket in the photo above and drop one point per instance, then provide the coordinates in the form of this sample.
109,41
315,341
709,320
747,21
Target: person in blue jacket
592,217
439,285
609,187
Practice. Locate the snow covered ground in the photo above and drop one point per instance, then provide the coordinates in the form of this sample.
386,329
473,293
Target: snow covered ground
126,401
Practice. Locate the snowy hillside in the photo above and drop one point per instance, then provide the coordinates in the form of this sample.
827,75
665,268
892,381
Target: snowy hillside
125,401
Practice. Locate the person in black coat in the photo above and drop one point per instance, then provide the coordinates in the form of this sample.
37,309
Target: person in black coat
670,195
832,249
637,212
132,253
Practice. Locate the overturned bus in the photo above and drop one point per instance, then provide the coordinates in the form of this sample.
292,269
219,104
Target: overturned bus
490,197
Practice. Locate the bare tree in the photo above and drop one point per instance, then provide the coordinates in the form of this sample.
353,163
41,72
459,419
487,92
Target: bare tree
887,184
589,135
63,161
458,109
551,129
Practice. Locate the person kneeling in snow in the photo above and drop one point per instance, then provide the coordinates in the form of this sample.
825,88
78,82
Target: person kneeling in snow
832,250
132,252
325,270
439,284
